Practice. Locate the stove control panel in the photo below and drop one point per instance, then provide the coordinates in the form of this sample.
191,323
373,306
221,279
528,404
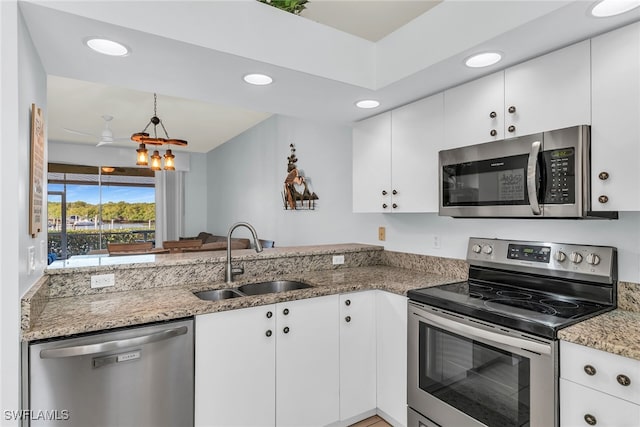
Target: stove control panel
584,262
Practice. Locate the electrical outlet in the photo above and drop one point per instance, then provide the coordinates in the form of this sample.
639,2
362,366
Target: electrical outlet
103,280
338,259
436,242
382,235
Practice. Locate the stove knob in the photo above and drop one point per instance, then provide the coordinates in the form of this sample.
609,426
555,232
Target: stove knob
593,259
476,248
560,256
575,258
487,249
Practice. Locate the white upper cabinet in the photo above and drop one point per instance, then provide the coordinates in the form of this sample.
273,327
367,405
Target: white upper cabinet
474,112
395,161
372,164
545,93
417,134
549,92
615,134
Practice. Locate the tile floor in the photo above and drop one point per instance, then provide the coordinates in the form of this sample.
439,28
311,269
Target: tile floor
374,421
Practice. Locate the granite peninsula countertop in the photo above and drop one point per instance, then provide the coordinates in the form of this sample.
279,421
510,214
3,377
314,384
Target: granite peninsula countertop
88,313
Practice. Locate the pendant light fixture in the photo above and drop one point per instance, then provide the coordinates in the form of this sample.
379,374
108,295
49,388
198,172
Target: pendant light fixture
144,138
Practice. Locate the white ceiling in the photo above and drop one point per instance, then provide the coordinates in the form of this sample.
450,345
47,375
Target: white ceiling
369,19
194,54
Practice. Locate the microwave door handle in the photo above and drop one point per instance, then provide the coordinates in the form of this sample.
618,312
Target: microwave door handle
532,171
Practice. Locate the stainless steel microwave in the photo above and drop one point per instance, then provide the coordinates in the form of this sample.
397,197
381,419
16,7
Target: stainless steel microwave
544,175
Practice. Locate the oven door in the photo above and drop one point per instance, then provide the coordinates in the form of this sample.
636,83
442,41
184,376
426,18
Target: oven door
462,372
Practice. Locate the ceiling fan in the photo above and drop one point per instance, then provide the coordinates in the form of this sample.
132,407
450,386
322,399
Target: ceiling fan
106,137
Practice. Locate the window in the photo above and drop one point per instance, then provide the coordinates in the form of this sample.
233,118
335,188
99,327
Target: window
89,206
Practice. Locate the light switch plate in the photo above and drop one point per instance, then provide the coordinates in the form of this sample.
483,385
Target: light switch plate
31,259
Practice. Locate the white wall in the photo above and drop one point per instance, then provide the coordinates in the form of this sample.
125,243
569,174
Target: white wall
195,195
246,175
22,82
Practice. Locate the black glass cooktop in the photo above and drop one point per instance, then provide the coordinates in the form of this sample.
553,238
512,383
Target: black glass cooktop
532,311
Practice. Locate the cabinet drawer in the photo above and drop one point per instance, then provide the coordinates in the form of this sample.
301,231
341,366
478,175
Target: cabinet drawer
609,371
579,404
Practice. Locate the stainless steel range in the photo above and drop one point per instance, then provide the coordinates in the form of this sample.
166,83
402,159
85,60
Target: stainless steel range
484,352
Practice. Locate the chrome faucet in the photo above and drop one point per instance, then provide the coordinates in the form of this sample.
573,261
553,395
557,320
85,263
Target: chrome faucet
229,271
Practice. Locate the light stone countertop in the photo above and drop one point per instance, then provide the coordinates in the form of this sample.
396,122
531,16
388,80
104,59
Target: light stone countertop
616,332
88,313
104,262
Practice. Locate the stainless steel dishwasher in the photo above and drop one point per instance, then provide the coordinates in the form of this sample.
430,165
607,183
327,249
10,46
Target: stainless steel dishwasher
141,376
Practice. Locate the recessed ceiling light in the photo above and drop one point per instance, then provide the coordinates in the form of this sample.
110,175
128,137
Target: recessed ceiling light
483,59
258,79
107,47
605,8
367,103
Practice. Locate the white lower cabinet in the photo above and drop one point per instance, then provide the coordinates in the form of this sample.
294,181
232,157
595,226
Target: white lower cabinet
235,368
311,362
391,351
583,406
269,365
357,355
307,362
598,388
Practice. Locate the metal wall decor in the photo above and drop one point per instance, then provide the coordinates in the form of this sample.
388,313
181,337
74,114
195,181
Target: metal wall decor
296,194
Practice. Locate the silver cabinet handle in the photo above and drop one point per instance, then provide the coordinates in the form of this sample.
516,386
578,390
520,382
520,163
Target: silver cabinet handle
83,350
532,168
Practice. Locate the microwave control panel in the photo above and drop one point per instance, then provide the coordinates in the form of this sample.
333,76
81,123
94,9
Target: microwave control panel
560,180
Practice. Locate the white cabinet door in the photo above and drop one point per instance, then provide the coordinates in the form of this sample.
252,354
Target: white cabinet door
582,406
606,370
549,92
307,366
474,112
372,165
615,134
235,368
416,136
391,349
357,354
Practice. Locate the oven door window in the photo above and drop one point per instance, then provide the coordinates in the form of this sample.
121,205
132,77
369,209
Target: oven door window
486,383
494,182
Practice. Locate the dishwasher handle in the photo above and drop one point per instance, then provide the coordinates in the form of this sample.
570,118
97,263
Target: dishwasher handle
83,350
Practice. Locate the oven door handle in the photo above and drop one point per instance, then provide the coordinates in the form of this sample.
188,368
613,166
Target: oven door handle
532,169
474,332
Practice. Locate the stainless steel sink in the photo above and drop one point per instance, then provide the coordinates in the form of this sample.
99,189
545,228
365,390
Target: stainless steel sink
218,294
272,287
